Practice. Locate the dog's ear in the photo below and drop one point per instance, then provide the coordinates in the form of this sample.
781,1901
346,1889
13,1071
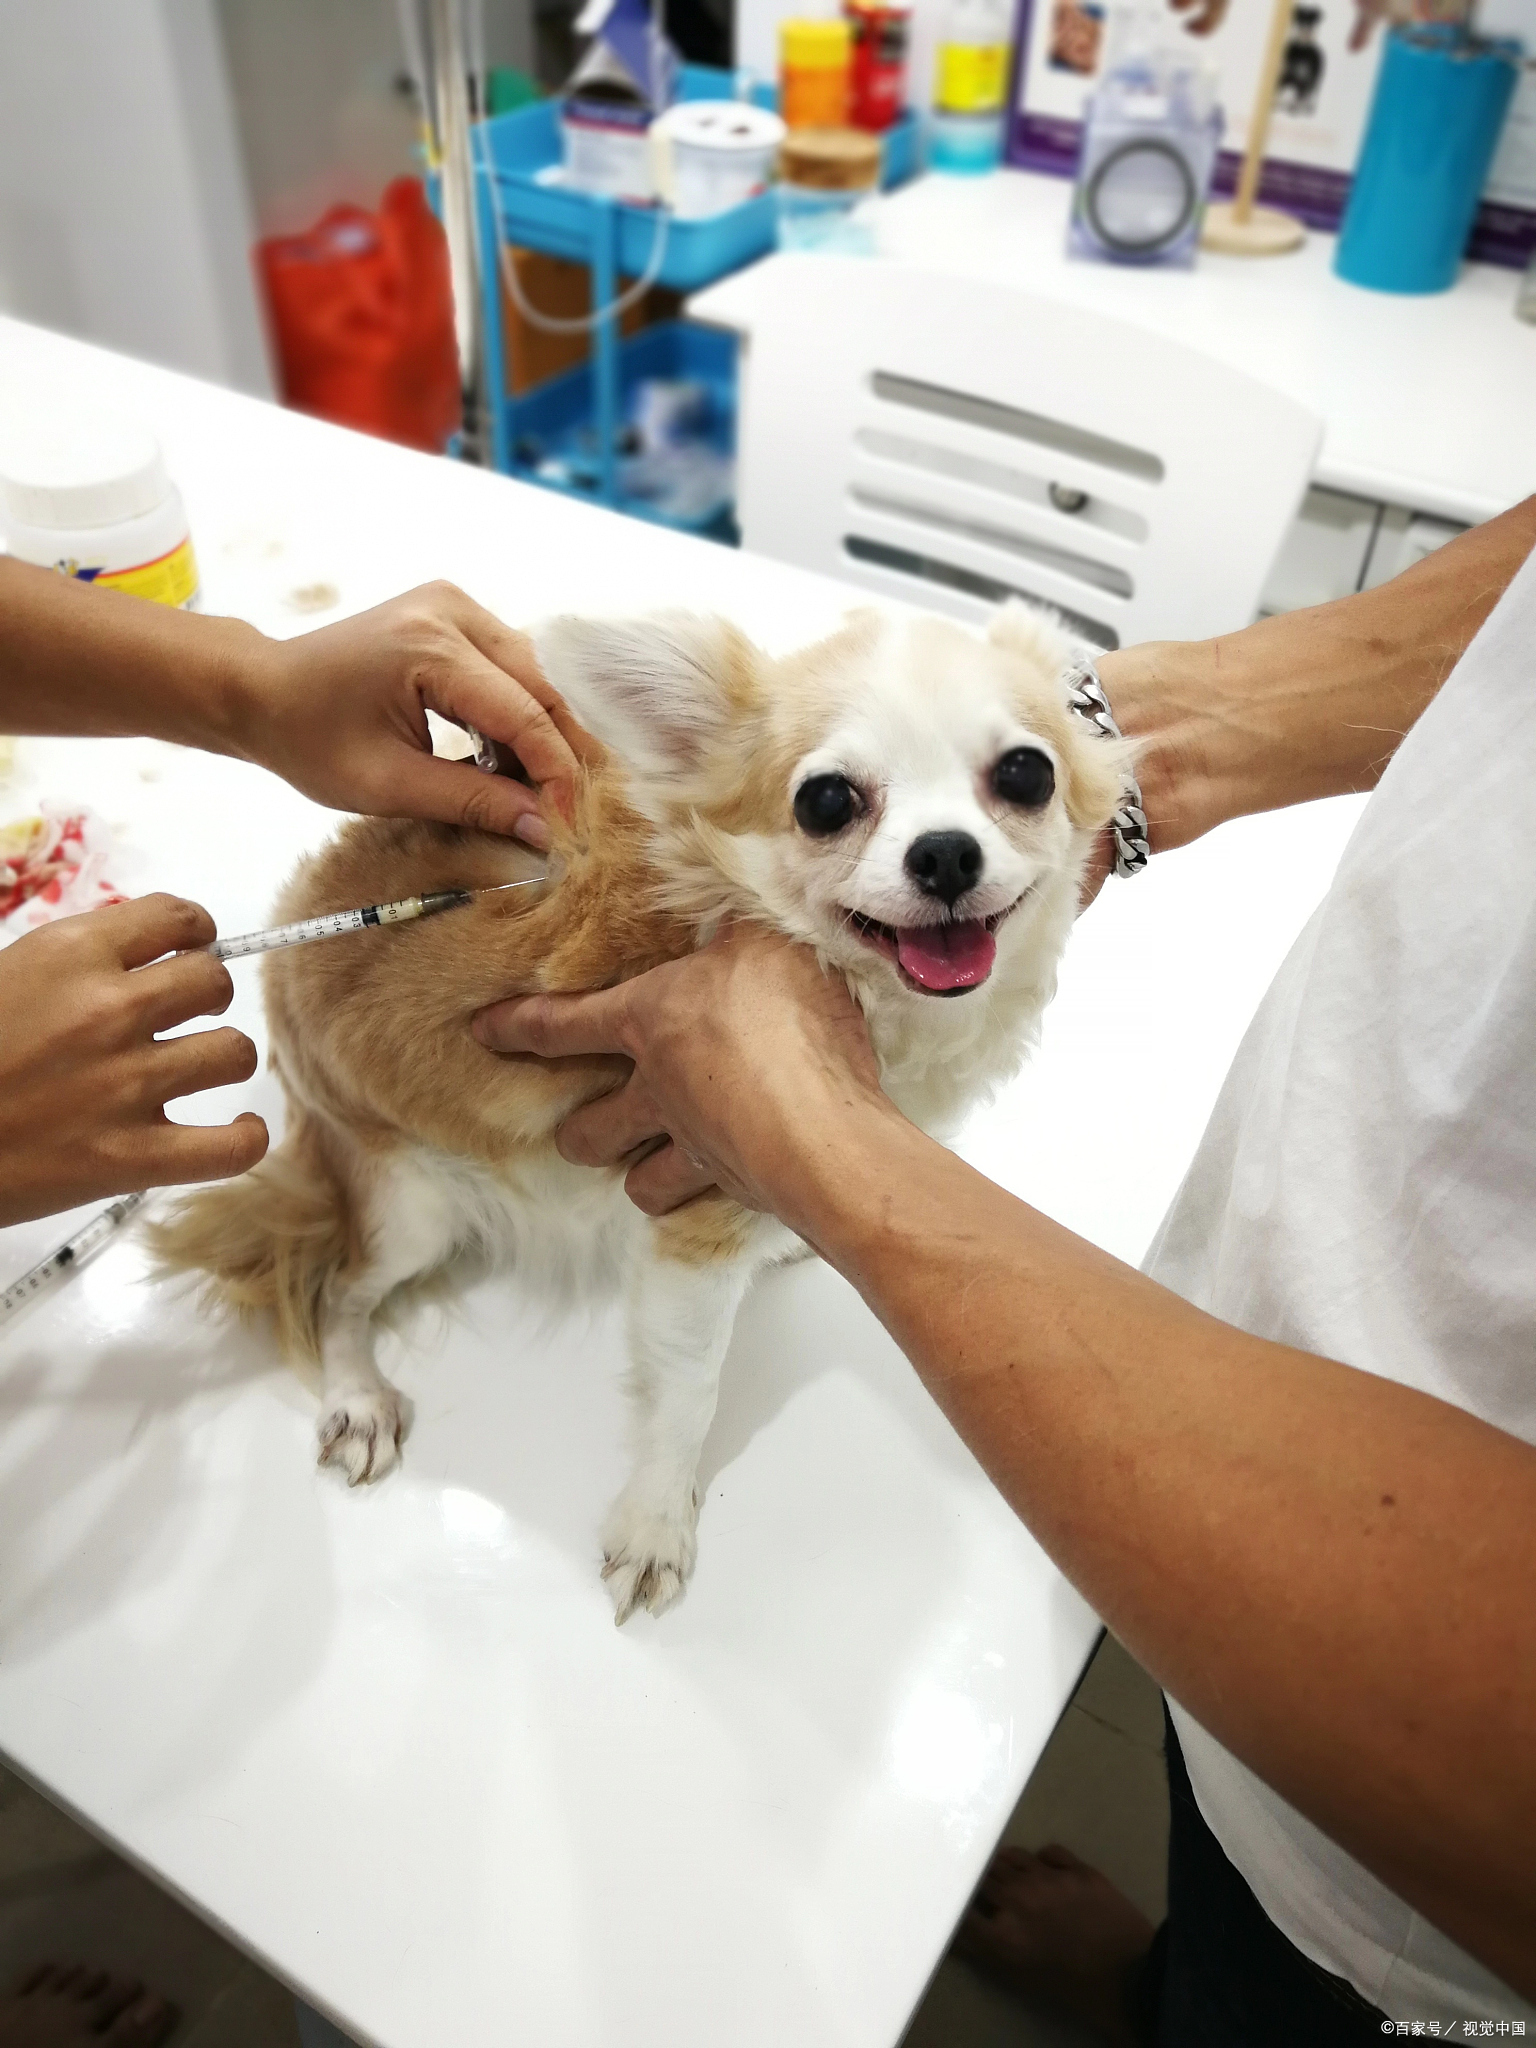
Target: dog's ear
1020,628
658,691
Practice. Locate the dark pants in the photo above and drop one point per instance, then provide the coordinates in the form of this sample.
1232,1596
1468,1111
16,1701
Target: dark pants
1221,1974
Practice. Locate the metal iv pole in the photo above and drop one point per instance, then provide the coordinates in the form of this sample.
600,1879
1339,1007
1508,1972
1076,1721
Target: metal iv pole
439,43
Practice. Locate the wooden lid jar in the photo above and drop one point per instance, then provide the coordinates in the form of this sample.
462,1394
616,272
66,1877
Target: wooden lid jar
830,159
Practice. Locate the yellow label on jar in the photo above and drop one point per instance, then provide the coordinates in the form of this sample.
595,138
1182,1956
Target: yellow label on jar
973,77
169,579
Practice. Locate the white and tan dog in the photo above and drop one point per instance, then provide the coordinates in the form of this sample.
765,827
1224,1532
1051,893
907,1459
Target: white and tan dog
916,803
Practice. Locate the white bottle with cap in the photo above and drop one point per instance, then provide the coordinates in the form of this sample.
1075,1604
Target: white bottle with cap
90,496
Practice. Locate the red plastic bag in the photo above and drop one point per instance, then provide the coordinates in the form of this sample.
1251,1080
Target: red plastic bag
362,314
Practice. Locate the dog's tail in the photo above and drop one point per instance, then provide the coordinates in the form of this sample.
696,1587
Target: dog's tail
275,1239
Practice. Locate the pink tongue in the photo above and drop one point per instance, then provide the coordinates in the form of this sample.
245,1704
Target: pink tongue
942,956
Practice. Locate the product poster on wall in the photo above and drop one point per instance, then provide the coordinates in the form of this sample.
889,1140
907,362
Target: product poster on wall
1322,101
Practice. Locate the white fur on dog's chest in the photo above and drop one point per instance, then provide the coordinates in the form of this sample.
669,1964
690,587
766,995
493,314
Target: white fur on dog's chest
567,1232
571,1235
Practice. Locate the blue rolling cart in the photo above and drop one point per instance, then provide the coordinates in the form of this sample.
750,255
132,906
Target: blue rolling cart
520,203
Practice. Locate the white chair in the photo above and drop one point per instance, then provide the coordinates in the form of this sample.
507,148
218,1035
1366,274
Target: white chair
952,442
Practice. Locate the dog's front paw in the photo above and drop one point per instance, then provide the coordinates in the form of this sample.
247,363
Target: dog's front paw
362,1431
648,1555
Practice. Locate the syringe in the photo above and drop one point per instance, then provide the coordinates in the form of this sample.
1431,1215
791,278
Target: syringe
93,1235
74,1252
335,922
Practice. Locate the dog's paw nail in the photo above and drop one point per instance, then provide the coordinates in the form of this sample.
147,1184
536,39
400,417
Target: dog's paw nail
647,1558
651,1588
362,1434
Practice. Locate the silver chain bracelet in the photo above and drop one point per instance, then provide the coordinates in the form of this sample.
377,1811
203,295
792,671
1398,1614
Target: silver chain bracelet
1085,694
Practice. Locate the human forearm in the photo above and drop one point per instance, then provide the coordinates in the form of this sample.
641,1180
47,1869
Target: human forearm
1290,1550
341,712
1284,1541
101,664
1310,703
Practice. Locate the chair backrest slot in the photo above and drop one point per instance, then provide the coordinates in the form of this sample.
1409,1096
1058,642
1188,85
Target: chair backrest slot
990,590
1085,569
1005,479
1058,435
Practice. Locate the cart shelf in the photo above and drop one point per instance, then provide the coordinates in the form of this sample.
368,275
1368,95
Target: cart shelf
523,204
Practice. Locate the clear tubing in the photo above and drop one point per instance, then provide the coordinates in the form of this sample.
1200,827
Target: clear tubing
551,324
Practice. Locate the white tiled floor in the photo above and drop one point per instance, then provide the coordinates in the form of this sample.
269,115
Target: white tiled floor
1100,1788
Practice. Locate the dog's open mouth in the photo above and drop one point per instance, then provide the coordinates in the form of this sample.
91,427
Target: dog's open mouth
939,959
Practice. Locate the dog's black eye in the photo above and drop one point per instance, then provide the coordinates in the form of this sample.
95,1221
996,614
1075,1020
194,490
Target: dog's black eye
825,803
1024,776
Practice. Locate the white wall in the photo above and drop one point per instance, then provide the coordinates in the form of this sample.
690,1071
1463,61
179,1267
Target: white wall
317,99
123,212
320,117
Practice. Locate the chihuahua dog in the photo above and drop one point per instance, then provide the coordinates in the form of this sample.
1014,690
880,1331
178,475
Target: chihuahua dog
913,801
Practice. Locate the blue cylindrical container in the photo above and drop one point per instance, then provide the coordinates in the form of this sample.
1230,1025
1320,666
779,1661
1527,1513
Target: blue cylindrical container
1441,98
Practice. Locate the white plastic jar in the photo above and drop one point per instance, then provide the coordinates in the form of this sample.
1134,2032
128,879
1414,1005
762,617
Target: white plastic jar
711,155
90,497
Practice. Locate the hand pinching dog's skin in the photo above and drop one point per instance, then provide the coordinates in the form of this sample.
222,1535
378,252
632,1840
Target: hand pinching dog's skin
913,801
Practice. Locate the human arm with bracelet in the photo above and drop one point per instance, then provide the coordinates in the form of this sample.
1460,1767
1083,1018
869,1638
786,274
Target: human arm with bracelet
1301,1488
341,714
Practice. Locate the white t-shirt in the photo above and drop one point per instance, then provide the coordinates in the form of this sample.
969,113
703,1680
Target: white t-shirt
1366,1189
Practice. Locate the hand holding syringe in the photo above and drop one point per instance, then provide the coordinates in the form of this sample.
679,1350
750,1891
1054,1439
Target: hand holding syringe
85,1075
92,1049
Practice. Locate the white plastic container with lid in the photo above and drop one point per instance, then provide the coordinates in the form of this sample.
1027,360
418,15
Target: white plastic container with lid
606,150
89,495
711,155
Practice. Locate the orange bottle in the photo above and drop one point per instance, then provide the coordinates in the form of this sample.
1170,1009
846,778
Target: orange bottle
815,58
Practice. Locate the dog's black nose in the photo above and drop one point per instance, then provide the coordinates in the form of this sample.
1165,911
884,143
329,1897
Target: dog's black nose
944,864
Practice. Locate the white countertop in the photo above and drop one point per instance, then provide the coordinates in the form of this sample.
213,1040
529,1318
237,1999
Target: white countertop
1426,402
389,1740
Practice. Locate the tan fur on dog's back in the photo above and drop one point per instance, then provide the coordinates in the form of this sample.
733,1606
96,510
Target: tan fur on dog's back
370,1035
373,1031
